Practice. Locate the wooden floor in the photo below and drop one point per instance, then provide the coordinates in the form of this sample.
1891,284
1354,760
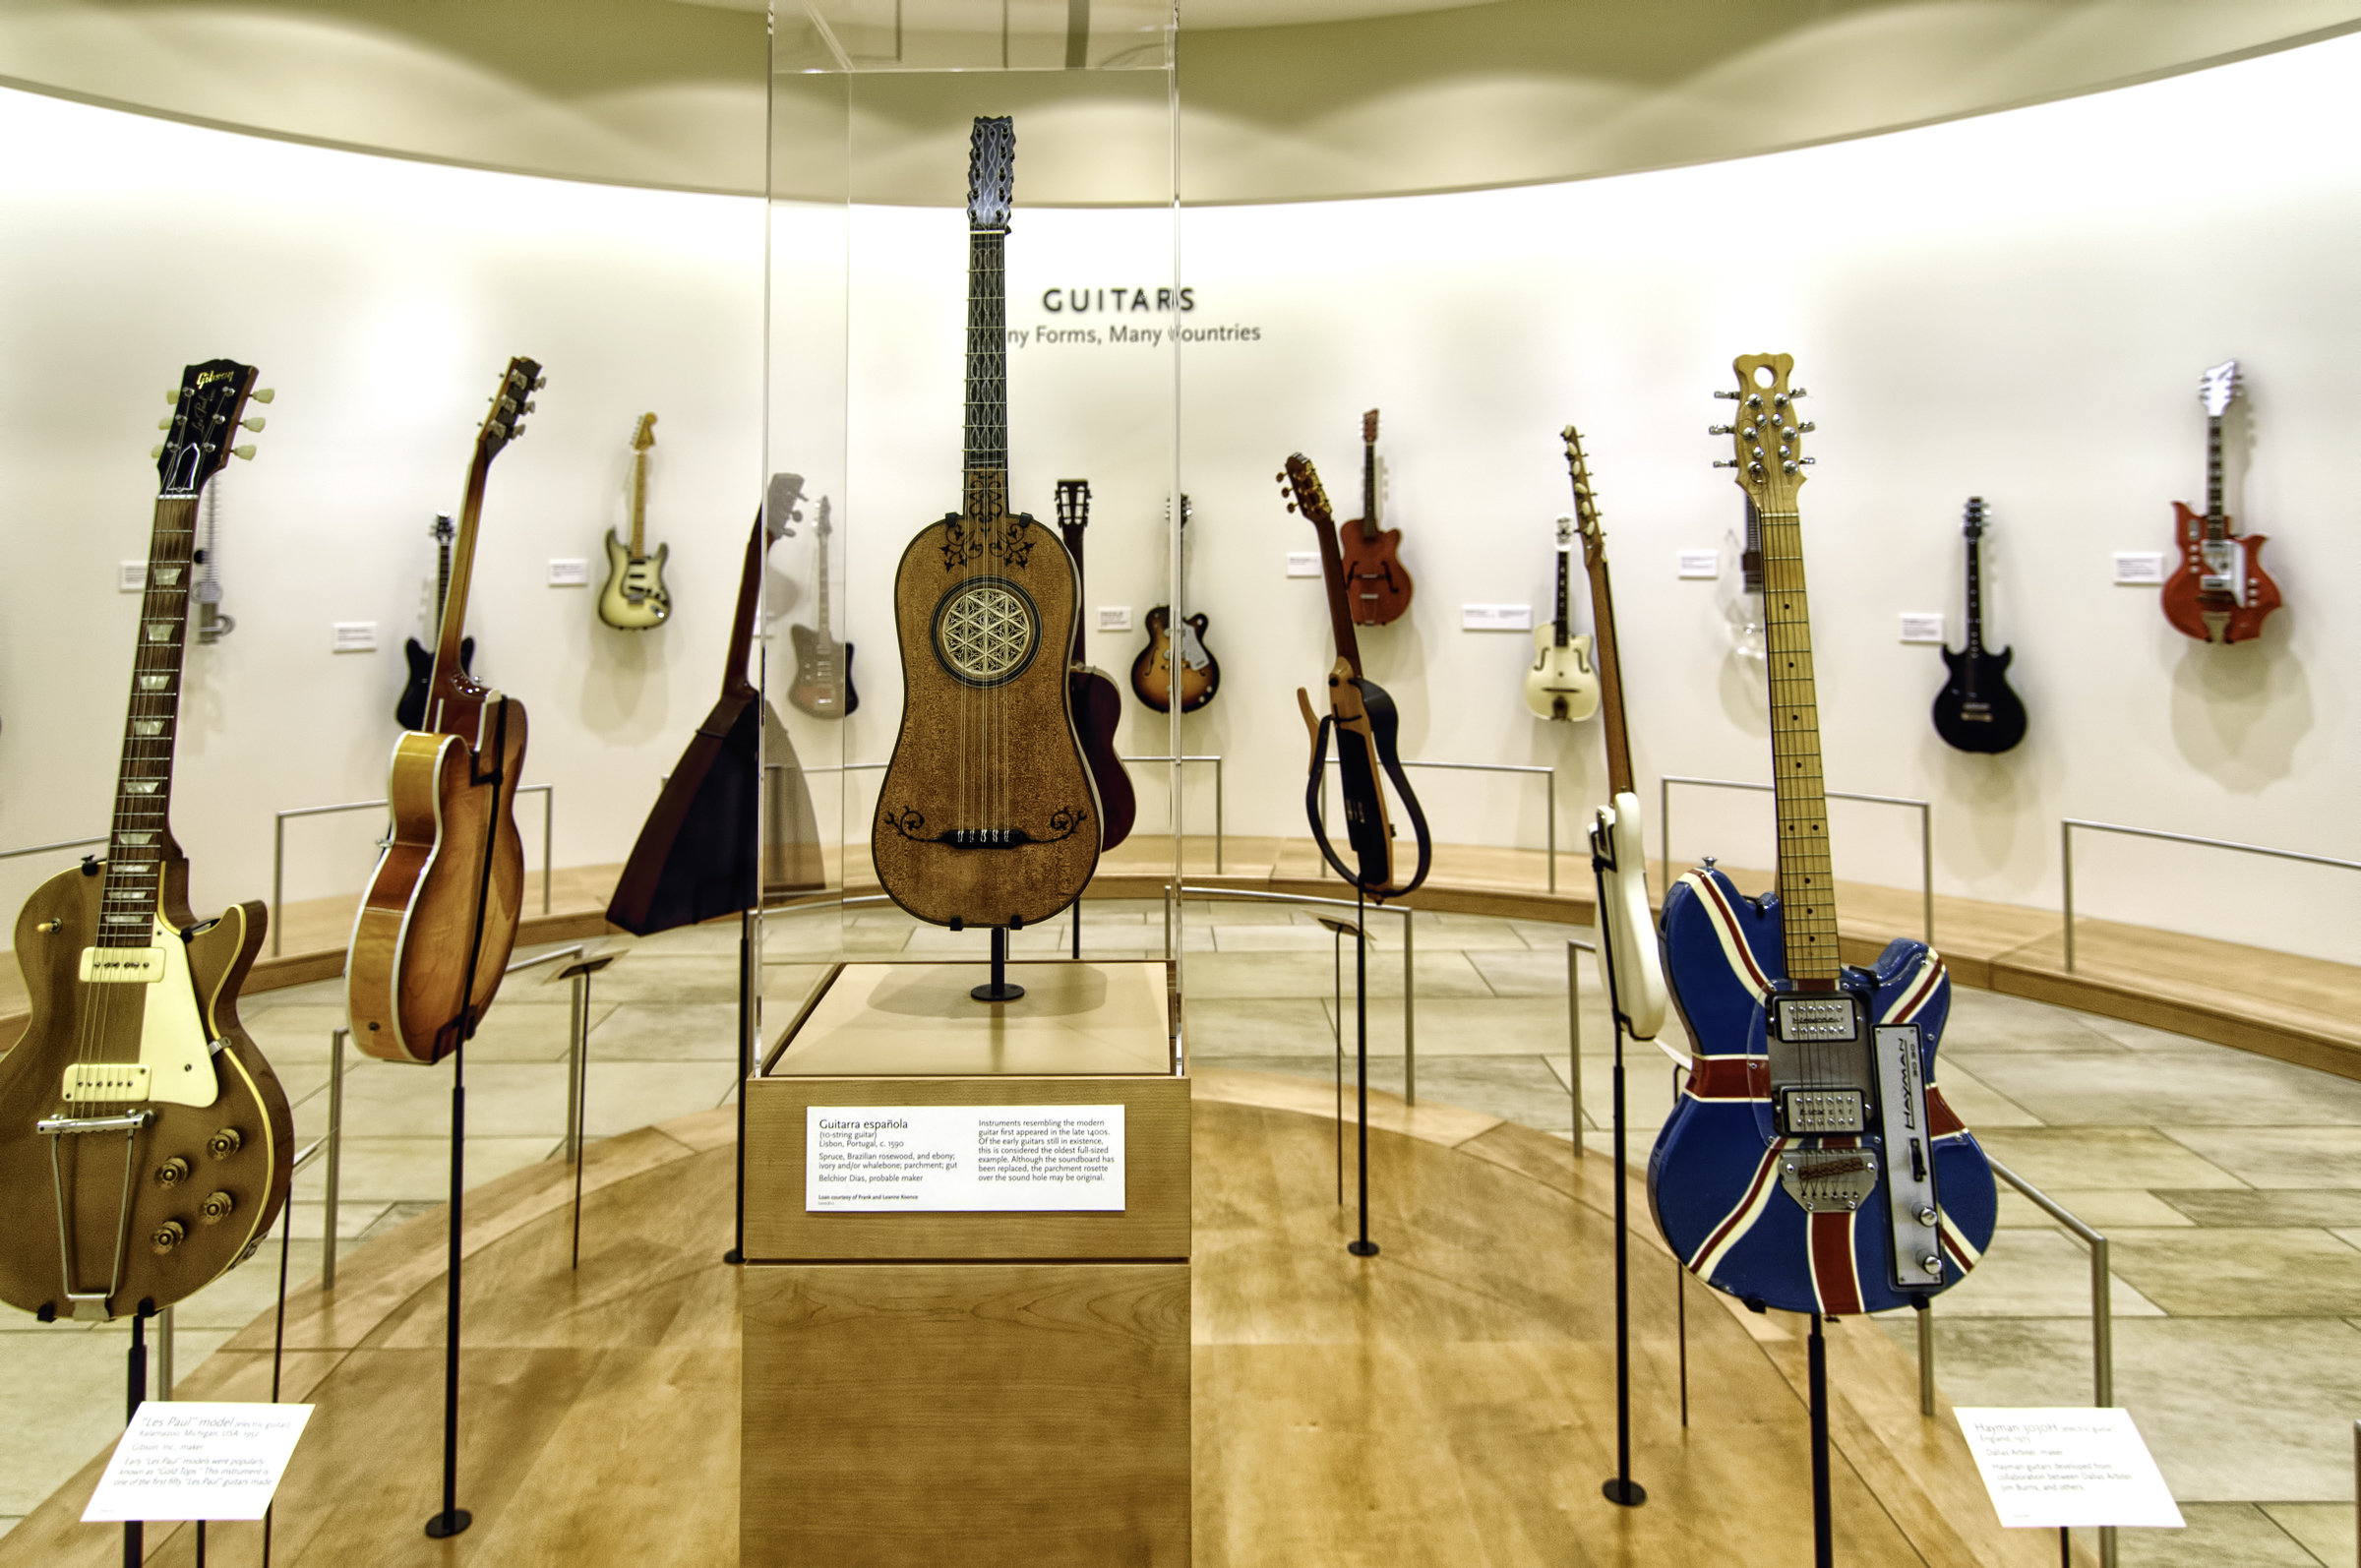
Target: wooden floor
1450,1401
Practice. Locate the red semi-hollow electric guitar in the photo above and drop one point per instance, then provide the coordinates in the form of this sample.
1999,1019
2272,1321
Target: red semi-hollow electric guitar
2219,592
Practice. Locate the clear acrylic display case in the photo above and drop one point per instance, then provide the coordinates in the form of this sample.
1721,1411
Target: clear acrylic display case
871,106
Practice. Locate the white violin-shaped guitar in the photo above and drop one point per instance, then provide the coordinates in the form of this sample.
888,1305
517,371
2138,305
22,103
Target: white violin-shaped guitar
1562,684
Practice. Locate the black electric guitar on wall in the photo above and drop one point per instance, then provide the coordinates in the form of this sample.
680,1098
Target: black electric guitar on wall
824,666
1363,720
1976,711
410,712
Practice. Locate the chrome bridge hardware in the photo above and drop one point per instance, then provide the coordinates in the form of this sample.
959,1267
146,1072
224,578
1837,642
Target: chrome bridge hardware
90,1306
1909,1159
1828,1181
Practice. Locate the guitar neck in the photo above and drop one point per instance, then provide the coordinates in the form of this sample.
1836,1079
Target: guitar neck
1368,490
1074,547
1339,612
442,583
1610,672
2216,526
449,672
820,567
1807,895
141,832
1564,626
734,682
987,454
639,503
1975,597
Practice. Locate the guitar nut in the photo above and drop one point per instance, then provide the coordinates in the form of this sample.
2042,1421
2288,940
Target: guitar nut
216,1208
165,1237
172,1172
221,1145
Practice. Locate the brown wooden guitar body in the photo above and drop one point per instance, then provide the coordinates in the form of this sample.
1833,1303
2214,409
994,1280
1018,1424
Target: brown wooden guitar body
406,981
1377,585
987,814
2195,612
75,1021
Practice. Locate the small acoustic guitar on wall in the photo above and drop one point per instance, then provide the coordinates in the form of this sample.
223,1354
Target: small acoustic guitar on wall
145,1143
436,926
1976,711
1152,673
1378,586
2219,591
634,599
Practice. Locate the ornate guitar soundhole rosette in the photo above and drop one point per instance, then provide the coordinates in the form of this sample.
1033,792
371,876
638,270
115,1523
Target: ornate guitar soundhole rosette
987,632
1064,823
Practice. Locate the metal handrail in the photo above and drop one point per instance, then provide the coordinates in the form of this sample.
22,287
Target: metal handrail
2102,1318
1926,828
43,849
1480,768
1410,986
278,845
2067,825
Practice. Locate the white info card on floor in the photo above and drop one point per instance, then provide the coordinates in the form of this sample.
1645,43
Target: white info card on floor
2053,1469
195,1459
941,1159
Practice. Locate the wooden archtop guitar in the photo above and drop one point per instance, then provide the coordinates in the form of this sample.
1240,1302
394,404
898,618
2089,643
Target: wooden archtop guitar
1372,556
1562,684
1810,1163
1176,655
824,666
1976,711
1363,721
145,1143
1618,843
2219,591
987,816
634,597
439,919
410,712
1097,704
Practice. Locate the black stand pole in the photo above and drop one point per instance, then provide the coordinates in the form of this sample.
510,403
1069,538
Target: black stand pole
278,1356
1618,1489
452,1519
581,1045
1824,1549
1077,928
999,989
135,1394
1365,1247
746,1069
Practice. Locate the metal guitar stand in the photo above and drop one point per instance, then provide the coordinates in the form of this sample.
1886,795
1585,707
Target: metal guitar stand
1619,1488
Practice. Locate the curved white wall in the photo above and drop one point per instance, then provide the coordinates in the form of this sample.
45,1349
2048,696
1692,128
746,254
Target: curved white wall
2015,306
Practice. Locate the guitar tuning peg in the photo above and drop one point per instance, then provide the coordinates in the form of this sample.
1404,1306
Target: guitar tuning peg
1806,428
172,396
1794,393
246,452
1717,430
165,423
529,405
1808,461
155,452
515,431
256,423
1730,464
540,381
263,394
1731,396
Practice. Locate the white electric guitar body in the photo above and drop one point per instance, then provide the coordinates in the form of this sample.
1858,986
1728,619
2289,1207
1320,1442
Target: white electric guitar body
1563,682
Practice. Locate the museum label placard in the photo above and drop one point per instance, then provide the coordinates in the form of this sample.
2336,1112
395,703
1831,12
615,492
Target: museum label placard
950,1159
2056,1468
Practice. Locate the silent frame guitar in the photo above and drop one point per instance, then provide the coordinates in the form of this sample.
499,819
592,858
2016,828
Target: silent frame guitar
1810,1163
439,920
144,1144
1363,721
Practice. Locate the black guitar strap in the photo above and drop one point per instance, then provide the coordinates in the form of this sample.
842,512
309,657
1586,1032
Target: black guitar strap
1402,789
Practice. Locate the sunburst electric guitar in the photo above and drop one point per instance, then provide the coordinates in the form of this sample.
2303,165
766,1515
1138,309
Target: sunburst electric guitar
988,815
144,1144
1810,1163
440,917
634,598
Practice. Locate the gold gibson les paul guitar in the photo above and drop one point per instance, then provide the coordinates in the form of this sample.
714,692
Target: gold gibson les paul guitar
435,927
145,1143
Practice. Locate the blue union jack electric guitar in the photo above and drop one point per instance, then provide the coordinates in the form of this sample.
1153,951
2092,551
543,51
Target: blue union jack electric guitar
1811,1164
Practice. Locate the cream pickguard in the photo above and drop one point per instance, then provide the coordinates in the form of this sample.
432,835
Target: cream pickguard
176,1048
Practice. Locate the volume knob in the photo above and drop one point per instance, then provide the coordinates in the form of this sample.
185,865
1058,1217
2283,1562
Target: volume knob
228,1142
165,1237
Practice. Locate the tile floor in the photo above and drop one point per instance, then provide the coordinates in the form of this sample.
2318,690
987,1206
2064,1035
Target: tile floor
2229,1186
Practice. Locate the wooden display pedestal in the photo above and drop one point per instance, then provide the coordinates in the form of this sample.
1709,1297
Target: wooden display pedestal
978,1388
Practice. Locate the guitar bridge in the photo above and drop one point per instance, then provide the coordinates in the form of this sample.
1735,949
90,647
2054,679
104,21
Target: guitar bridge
1828,1181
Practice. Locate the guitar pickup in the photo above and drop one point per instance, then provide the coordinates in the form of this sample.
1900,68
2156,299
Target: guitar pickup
1809,1112
92,1082
122,965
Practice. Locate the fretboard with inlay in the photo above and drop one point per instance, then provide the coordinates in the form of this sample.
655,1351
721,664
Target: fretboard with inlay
137,837
1807,895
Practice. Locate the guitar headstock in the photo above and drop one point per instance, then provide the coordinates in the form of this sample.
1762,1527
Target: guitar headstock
645,436
1299,482
1974,527
991,171
1585,508
444,530
208,408
1074,503
1368,428
1185,508
1565,534
1766,436
2217,389
510,405
820,523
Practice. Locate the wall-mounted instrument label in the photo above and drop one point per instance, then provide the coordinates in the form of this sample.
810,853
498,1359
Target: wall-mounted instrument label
353,637
2139,568
1921,626
1496,617
1700,565
1115,618
1302,563
963,1158
568,572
